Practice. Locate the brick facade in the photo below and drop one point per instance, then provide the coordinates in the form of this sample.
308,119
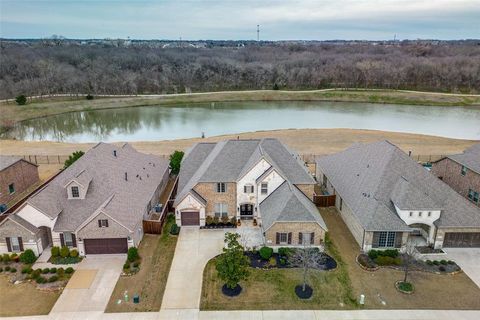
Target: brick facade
295,228
208,190
22,174
450,172
307,189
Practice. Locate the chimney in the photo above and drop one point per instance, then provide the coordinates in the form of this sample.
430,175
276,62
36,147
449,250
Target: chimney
115,153
126,178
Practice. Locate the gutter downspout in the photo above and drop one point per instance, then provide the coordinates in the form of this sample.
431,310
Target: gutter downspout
363,240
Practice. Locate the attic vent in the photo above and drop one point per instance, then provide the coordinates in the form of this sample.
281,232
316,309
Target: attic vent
368,166
114,153
126,177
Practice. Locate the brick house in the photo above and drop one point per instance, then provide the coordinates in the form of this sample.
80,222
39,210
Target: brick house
97,205
250,179
16,176
461,172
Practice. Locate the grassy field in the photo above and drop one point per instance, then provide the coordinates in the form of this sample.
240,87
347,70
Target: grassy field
12,113
149,283
24,299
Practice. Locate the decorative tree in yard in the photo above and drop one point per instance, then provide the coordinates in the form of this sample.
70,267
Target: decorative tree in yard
409,256
307,258
175,161
72,158
232,265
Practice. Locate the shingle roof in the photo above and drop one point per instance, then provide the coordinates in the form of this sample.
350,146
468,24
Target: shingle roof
104,174
229,160
288,204
469,158
7,161
371,177
24,223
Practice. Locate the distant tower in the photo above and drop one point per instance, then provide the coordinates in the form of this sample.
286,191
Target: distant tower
258,32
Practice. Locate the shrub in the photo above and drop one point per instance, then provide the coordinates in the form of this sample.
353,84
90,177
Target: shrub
208,220
272,261
435,262
225,219
1,269
36,273
14,257
405,286
442,268
55,251
60,272
175,161
174,229
45,271
429,262
6,258
64,252
132,254
41,279
275,87
443,262
451,262
387,261
72,158
1,258
365,261
13,270
282,261
373,254
21,100
233,221
74,253
136,264
89,97
266,253
69,270
53,270
284,252
393,253
7,268
28,257
26,270
53,279
126,265
216,220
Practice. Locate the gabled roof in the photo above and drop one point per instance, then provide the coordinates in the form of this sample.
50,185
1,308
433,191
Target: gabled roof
288,204
470,158
229,160
370,177
7,161
104,174
22,222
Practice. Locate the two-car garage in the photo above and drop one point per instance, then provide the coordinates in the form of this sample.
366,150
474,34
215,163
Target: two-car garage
106,246
461,240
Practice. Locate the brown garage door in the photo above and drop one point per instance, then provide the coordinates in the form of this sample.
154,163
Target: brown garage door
190,218
102,246
461,239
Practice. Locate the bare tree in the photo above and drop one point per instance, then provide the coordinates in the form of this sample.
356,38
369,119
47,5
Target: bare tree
409,256
308,258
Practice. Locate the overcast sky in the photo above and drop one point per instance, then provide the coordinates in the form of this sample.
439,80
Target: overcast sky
237,20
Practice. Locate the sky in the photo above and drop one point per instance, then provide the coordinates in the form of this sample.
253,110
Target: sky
237,20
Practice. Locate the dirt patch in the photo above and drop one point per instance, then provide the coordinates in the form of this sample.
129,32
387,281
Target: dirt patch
82,279
432,291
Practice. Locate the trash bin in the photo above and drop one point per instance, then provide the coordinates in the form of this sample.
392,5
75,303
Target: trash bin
136,298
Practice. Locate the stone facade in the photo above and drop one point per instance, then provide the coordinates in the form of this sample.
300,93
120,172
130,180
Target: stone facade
93,231
22,175
209,192
295,228
450,172
307,189
10,229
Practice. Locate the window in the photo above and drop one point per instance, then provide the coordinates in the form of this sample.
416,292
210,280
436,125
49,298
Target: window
473,195
68,239
386,239
15,243
11,188
464,170
248,188
420,213
75,192
283,238
411,214
103,223
221,210
221,187
264,188
429,213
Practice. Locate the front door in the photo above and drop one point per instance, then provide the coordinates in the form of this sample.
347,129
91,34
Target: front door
246,211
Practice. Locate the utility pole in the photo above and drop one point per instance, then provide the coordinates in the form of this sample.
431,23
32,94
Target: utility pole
258,32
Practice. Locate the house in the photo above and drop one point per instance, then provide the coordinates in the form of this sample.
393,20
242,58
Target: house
386,198
16,176
258,179
96,205
461,172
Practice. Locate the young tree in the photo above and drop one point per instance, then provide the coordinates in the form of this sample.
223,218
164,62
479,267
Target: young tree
72,158
408,258
21,100
232,265
175,161
307,258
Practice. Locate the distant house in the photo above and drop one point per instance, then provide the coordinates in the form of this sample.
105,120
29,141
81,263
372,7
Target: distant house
96,205
16,176
250,179
461,172
385,198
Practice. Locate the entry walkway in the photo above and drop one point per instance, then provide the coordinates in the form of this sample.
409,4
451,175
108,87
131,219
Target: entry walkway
194,249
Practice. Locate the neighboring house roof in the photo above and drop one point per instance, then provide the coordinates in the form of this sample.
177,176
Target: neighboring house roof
371,177
103,174
229,160
470,158
288,204
7,161
22,222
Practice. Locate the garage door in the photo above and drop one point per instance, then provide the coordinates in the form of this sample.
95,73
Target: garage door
103,246
461,239
190,218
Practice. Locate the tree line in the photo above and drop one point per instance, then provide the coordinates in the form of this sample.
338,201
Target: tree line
36,68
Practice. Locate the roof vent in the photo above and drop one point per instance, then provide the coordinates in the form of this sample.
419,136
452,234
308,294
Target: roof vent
115,153
126,177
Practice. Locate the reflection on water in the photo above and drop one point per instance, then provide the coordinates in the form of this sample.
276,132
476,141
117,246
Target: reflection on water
186,121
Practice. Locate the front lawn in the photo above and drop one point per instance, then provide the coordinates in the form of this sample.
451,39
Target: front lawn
156,253
275,289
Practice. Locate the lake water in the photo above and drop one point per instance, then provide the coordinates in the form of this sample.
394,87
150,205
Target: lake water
187,121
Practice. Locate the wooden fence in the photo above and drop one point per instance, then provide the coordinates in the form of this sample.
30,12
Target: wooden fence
156,226
324,200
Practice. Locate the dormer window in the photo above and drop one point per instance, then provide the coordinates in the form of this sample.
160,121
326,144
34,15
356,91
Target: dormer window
75,192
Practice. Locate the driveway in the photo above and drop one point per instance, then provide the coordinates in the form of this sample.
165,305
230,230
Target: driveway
468,259
194,249
91,285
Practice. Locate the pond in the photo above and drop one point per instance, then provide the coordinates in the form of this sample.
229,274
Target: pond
187,121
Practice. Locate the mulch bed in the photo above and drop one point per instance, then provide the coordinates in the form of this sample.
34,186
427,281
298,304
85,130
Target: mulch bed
231,292
219,226
256,261
429,250
307,294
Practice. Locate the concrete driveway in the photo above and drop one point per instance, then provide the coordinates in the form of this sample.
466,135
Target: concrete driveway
91,285
468,259
194,248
